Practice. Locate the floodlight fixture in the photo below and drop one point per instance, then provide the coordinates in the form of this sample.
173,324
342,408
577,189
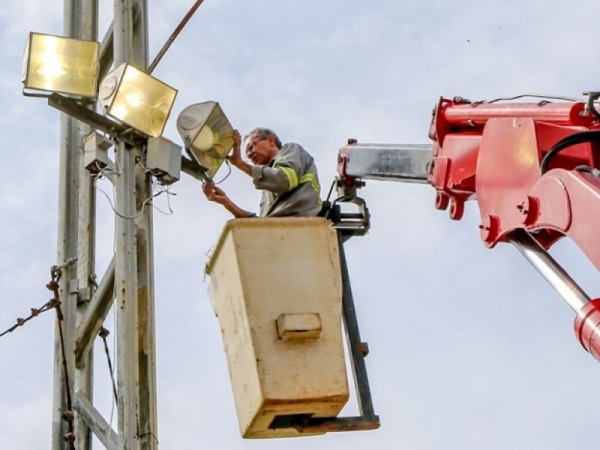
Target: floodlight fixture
60,64
137,99
207,134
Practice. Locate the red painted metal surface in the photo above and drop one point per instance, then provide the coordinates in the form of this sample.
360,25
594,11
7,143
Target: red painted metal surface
587,328
492,153
346,179
479,114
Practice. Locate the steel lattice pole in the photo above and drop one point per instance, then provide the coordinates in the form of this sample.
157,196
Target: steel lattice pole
76,232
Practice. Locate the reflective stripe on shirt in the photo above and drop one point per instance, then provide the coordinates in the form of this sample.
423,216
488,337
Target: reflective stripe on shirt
290,174
310,178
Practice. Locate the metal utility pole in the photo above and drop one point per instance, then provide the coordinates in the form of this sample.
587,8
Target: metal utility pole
75,245
128,280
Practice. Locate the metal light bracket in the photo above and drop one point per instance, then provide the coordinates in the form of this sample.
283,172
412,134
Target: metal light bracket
72,108
120,132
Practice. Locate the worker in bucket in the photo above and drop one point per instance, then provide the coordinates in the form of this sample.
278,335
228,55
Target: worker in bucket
286,174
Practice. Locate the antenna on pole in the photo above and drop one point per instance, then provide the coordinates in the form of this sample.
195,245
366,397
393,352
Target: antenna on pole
173,36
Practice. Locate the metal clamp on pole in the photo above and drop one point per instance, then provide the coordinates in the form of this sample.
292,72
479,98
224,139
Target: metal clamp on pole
348,223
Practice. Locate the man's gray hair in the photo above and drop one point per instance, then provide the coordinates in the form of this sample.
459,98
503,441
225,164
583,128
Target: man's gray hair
264,133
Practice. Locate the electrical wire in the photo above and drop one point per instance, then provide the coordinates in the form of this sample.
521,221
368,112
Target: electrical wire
67,415
226,176
592,96
113,405
166,190
569,141
122,216
541,96
103,333
144,204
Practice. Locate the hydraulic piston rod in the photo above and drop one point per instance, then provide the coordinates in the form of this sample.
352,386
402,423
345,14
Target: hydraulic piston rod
587,322
560,280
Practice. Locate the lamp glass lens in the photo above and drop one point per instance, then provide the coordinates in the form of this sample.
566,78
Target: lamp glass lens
142,102
205,139
214,141
58,64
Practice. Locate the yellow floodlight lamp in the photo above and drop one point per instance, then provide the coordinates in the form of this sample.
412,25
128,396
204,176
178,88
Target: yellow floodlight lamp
207,134
137,99
60,64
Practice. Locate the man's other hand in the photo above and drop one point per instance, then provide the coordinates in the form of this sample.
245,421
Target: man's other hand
215,194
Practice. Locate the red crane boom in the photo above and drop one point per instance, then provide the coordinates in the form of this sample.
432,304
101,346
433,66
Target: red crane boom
532,168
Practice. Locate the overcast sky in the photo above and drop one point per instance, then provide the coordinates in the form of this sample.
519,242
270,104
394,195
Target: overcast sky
470,348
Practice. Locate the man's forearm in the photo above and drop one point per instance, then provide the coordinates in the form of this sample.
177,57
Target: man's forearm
237,212
243,166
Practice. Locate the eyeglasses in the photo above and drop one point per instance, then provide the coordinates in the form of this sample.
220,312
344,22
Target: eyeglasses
252,144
